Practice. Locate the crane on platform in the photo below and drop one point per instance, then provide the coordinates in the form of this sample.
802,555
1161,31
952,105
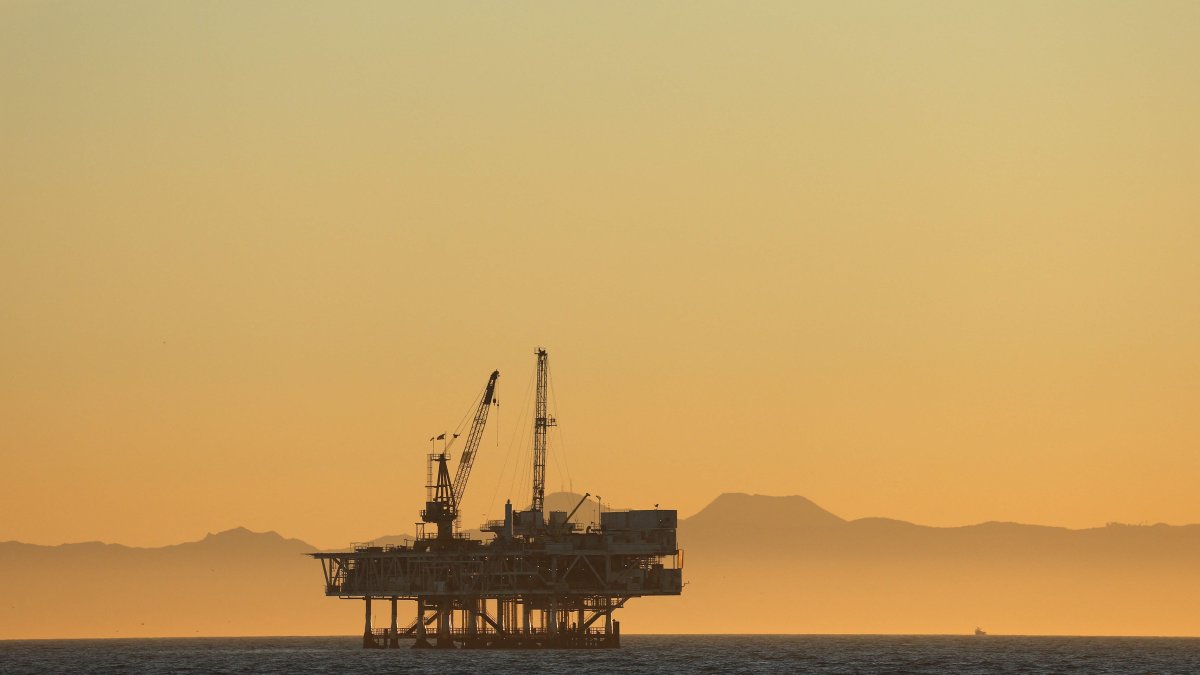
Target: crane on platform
445,496
467,459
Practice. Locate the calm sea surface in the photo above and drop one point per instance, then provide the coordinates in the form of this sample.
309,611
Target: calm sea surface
638,654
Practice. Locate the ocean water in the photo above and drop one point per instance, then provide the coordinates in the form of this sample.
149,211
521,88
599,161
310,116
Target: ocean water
638,654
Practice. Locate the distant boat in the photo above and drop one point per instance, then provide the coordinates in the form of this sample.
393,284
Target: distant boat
979,631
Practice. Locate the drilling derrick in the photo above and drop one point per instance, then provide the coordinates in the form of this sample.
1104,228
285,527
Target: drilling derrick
541,581
541,422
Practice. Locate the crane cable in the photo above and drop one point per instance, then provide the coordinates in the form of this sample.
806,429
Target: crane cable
560,457
508,454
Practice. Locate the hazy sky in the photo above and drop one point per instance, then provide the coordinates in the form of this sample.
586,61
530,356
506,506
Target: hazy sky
938,261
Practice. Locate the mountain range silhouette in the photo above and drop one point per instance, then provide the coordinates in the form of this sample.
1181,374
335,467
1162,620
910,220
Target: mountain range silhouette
752,564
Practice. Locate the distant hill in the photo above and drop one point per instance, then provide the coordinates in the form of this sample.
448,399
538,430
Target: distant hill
753,564
230,583
782,564
733,513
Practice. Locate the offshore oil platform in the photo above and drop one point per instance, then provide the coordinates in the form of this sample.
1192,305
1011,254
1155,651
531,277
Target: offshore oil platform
541,581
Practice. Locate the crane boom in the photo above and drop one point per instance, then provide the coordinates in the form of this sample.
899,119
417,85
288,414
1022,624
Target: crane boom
467,459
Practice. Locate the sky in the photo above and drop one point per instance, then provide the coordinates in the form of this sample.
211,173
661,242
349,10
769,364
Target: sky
936,261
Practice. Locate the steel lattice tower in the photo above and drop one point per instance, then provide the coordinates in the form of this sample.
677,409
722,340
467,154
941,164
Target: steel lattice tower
541,422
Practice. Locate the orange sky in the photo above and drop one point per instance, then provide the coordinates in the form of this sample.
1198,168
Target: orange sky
936,261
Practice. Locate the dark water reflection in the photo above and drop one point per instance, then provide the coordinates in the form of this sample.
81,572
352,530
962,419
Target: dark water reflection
639,654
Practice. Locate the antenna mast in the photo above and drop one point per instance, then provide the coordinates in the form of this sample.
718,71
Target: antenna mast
541,422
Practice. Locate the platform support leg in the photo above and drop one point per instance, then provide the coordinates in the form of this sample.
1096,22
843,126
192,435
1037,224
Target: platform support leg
608,627
368,639
444,641
422,642
393,637
471,619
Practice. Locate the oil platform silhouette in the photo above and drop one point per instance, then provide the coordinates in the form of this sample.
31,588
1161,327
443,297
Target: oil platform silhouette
542,581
